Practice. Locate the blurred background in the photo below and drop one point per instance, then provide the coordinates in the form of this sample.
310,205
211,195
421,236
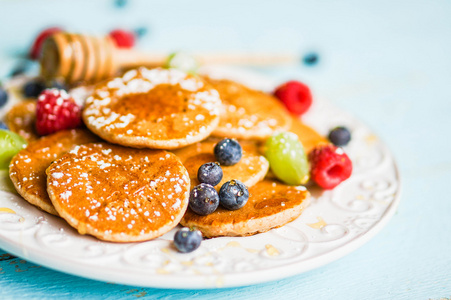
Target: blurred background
360,48
387,62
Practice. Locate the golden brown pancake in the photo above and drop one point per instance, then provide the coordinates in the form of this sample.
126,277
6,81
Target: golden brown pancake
119,194
307,135
271,204
156,108
21,119
247,113
250,169
27,168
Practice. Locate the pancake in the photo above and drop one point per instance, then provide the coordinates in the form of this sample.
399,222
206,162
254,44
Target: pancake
157,108
21,119
27,168
307,135
119,194
250,169
271,204
248,113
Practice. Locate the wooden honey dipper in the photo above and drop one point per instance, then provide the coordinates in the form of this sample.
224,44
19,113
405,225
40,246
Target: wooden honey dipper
77,57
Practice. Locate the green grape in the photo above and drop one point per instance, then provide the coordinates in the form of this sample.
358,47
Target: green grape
10,144
183,62
287,158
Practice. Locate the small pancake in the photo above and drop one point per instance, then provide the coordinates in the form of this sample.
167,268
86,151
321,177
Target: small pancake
27,168
250,169
247,113
307,135
157,108
271,204
119,194
21,119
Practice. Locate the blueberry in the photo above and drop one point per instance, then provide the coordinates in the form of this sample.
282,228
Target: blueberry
3,97
233,195
210,173
3,126
203,199
340,136
141,31
120,3
228,152
186,240
311,59
33,88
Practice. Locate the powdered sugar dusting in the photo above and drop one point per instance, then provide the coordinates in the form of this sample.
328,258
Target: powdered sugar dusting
80,94
57,175
103,113
65,195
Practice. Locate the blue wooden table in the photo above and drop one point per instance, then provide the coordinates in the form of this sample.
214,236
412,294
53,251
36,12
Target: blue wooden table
388,63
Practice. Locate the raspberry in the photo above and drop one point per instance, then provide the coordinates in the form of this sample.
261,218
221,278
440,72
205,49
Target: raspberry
56,110
37,44
295,95
329,166
123,38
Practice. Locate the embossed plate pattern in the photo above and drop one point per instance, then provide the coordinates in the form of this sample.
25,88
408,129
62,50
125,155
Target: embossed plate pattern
335,224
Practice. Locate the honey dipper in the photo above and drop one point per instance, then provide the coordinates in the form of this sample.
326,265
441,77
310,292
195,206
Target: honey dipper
77,57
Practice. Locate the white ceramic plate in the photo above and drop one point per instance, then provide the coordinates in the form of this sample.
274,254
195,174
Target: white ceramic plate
335,224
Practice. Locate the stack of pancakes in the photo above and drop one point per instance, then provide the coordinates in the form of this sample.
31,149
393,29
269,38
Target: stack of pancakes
127,177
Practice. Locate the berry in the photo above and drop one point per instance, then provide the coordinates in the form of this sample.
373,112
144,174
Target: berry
296,96
123,38
3,97
33,88
287,158
3,126
203,199
210,173
233,195
186,240
140,32
120,3
182,61
311,59
329,166
228,152
339,136
35,50
56,110
10,144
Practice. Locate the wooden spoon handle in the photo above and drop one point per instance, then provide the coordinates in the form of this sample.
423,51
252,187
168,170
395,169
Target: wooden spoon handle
126,59
255,59
76,58
134,58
